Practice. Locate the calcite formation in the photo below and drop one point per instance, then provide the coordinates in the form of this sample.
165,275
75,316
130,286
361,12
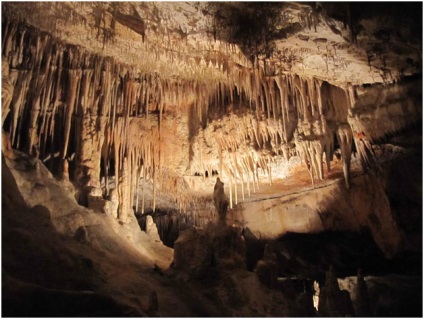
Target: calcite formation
280,138
130,94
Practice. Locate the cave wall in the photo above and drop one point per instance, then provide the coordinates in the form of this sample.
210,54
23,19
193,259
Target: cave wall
328,208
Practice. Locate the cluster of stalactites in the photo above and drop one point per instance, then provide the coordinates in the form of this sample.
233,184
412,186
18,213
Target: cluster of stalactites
62,101
317,112
285,111
239,148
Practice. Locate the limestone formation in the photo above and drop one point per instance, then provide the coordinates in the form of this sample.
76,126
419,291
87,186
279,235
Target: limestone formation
334,302
344,137
151,228
361,299
111,207
203,252
6,145
192,252
267,272
6,90
365,151
65,169
220,201
244,121
227,245
112,110
269,268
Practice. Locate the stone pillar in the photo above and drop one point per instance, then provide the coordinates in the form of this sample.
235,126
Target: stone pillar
362,303
220,201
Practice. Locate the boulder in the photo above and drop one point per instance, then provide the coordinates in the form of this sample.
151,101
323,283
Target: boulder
192,251
219,247
227,245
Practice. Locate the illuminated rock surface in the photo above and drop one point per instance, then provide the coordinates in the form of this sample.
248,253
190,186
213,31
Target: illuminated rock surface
121,116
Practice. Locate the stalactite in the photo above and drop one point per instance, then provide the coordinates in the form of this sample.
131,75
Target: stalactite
48,94
242,185
269,170
137,185
38,82
74,78
154,189
6,91
319,98
231,190
284,106
311,95
144,185
18,101
248,184
344,137
132,181
365,151
235,190
351,91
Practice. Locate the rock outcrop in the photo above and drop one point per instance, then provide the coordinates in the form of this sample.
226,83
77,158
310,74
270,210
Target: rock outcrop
334,302
217,247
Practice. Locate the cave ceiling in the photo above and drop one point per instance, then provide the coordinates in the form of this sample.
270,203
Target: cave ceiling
164,90
340,43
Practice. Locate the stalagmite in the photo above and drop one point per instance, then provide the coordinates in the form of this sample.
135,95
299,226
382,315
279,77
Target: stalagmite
65,169
316,156
124,183
220,201
6,145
